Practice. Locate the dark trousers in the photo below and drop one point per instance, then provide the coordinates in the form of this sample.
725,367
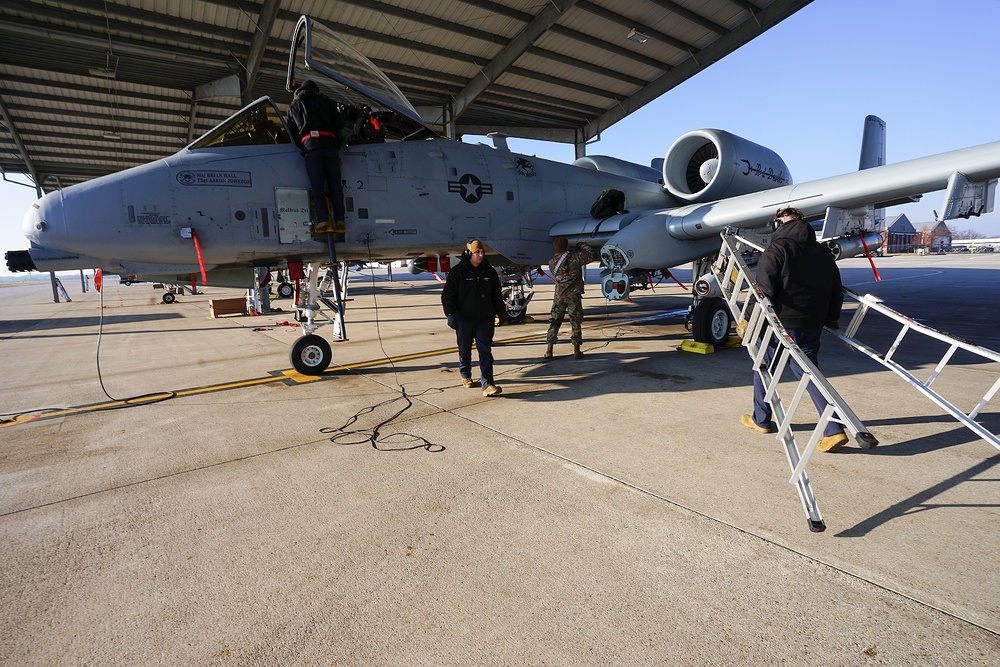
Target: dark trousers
808,341
323,167
482,332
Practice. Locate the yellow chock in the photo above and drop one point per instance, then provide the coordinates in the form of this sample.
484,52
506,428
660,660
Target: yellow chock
696,347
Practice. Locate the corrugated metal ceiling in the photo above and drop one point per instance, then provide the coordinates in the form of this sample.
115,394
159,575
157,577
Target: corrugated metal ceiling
89,87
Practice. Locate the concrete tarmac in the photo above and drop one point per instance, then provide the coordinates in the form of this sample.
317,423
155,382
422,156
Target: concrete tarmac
172,494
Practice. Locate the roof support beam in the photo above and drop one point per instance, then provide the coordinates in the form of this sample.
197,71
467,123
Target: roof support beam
21,148
764,19
265,24
542,22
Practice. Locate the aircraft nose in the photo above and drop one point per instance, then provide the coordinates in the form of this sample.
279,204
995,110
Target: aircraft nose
43,220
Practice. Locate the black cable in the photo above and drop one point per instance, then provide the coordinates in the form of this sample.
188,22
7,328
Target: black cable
373,436
142,399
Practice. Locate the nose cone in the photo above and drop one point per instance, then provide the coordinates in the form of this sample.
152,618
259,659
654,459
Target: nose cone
44,216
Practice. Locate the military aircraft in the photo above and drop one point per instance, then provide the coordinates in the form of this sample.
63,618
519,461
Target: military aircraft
237,199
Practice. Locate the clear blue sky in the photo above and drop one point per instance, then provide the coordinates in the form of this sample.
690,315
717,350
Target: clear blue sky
928,68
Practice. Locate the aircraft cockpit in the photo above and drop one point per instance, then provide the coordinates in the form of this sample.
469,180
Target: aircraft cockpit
371,101
375,110
259,124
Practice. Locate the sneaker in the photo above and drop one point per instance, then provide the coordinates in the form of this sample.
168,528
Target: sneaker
492,390
748,421
322,227
467,382
832,443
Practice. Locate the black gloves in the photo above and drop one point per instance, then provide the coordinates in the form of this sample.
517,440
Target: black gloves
452,321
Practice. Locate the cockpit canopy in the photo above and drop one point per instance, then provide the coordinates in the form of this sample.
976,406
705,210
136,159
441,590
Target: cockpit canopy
259,124
368,98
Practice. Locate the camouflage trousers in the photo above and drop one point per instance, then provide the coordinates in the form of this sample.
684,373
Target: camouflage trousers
573,306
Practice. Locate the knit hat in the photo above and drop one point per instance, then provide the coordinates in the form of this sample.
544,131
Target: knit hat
475,246
788,211
561,243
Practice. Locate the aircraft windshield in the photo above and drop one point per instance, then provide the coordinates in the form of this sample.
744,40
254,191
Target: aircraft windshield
256,125
348,77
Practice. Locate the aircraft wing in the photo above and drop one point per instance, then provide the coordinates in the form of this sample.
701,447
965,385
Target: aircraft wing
968,176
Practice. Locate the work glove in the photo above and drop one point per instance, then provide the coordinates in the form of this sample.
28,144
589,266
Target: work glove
741,328
452,321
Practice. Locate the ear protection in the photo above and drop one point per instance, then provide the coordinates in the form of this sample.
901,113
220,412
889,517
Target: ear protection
474,244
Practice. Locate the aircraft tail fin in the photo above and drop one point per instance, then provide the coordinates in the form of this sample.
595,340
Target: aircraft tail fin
872,143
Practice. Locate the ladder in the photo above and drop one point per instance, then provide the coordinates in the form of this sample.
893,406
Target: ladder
872,304
763,330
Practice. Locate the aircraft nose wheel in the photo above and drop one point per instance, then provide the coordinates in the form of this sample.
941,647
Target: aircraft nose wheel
311,355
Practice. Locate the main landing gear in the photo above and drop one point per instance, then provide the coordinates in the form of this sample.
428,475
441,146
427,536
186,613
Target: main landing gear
517,291
708,318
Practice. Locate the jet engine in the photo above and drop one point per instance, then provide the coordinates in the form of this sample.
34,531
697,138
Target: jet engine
708,165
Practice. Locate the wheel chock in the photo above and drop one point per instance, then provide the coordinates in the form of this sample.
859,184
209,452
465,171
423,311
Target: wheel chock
696,347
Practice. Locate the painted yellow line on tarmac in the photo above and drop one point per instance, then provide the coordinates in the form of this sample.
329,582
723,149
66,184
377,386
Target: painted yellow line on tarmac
287,375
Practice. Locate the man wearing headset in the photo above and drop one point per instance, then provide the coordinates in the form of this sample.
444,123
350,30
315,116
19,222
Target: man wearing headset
472,299
802,281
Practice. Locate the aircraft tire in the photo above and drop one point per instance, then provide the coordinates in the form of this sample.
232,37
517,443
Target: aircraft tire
310,355
517,317
712,322
169,297
286,290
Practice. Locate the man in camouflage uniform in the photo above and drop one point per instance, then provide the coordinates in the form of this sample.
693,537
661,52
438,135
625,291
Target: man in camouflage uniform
566,267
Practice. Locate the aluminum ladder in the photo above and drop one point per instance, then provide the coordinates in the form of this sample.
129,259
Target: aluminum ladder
871,304
747,303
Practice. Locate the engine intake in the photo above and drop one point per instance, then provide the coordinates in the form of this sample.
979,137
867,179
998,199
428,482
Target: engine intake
707,165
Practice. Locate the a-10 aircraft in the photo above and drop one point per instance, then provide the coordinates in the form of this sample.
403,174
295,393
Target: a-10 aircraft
237,199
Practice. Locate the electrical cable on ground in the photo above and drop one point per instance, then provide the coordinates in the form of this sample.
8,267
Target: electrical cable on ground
373,436
143,399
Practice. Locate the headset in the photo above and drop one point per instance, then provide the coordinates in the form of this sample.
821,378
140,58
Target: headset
467,253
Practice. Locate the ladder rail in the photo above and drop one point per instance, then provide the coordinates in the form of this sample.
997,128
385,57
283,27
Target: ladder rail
868,304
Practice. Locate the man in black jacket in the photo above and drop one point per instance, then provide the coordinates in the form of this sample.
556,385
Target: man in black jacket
315,122
472,299
802,281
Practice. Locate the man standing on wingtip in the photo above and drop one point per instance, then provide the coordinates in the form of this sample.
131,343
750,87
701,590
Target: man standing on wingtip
315,122
472,299
802,280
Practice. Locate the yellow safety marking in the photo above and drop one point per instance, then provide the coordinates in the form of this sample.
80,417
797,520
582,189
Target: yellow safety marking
299,377
279,376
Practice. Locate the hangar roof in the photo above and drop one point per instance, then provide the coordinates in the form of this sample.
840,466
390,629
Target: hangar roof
89,87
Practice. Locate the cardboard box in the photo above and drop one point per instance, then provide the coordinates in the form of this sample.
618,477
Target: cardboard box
220,307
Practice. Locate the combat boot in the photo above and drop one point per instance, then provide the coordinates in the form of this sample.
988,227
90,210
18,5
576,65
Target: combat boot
322,227
577,352
548,352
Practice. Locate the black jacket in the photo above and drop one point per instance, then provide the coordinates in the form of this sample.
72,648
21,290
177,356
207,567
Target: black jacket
311,110
801,278
472,293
